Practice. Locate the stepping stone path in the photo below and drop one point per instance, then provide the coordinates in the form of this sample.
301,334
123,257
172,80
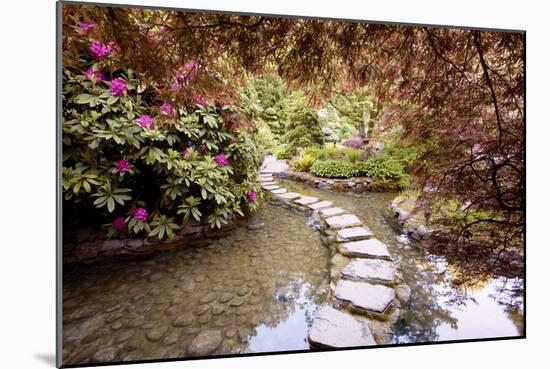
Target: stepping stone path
355,233
364,285
333,328
306,200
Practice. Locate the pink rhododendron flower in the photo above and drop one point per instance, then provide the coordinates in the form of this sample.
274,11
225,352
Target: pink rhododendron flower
85,27
251,197
168,109
99,75
98,50
140,214
118,87
221,160
199,100
119,224
122,166
145,121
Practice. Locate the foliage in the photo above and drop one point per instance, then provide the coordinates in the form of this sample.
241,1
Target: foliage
304,129
333,169
385,168
190,165
303,163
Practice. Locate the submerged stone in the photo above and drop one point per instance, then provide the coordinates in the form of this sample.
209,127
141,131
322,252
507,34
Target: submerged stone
370,270
205,343
365,296
370,248
343,221
306,200
355,233
333,328
320,205
329,212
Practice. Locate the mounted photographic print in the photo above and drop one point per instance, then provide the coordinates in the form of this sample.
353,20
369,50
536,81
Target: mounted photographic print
242,184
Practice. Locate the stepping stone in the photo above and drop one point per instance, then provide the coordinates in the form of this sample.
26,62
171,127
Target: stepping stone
320,205
306,200
329,212
370,248
267,183
355,233
265,180
343,221
370,270
270,187
269,175
333,328
288,195
279,191
366,297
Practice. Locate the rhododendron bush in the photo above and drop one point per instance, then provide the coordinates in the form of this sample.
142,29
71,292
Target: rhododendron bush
143,165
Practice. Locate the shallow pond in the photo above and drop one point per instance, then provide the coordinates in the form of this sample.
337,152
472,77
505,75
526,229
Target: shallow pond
446,303
252,291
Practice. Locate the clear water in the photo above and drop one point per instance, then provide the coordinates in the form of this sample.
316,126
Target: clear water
256,288
447,301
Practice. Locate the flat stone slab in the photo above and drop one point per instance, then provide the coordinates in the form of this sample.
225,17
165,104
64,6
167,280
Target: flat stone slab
352,234
371,298
343,221
370,270
279,191
370,248
320,205
329,212
333,328
270,187
288,195
306,200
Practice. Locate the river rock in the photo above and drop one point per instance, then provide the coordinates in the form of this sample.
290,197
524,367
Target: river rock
365,296
320,205
329,212
370,248
352,234
306,200
105,355
403,292
205,343
343,221
288,195
333,328
182,321
156,333
255,226
370,270
226,296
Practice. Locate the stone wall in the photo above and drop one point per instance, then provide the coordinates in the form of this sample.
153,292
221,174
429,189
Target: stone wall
353,184
89,245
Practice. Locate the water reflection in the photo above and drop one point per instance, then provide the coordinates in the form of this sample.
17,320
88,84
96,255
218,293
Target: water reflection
455,294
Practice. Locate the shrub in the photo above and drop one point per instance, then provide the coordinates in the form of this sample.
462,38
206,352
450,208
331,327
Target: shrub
354,142
144,172
353,155
385,168
333,169
304,163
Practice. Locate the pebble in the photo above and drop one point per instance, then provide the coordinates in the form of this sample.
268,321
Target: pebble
182,321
